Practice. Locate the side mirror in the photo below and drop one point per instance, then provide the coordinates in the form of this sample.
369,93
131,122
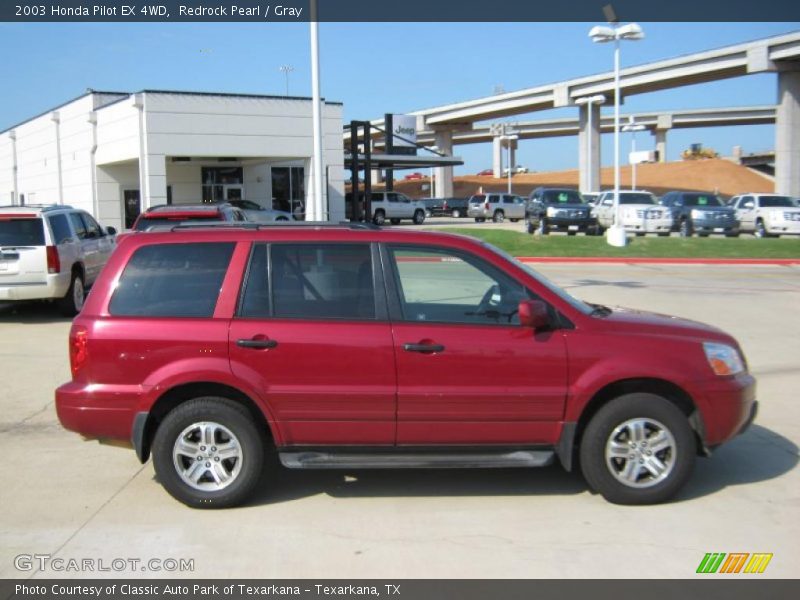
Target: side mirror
533,314
111,231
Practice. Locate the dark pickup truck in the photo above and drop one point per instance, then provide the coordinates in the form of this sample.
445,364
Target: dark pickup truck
445,207
557,209
700,212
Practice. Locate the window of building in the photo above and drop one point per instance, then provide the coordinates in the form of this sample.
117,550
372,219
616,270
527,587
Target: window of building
172,280
217,180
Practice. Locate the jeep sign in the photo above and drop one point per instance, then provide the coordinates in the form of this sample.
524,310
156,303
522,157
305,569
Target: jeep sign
404,130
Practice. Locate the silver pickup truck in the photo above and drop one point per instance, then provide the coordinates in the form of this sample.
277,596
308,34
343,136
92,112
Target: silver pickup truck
392,207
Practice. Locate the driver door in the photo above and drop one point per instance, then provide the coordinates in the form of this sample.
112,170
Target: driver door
467,372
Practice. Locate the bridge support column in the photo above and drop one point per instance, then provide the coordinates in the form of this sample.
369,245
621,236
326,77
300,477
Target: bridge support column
787,134
661,144
589,148
497,157
443,176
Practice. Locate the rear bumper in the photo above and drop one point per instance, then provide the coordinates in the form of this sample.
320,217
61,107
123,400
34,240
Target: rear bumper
97,413
55,286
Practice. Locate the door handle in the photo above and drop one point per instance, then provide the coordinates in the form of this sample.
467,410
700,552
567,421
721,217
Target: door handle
423,348
257,344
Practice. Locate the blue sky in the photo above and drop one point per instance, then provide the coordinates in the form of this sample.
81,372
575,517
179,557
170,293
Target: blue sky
375,68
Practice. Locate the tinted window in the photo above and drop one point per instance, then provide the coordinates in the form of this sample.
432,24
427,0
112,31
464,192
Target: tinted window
701,200
255,298
478,199
508,200
634,198
562,197
172,280
440,286
92,228
78,225
771,201
21,232
60,228
322,281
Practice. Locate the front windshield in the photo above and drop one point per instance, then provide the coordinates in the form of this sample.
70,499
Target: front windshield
636,198
779,201
562,197
701,200
579,305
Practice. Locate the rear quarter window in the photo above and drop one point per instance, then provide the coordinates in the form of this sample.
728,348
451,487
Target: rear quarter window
60,228
172,280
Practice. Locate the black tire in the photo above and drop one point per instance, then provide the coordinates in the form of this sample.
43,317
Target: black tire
640,234
394,221
542,228
685,228
572,233
232,417
733,234
663,234
72,302
281,219
419,217
480,219
608,428
760,230
499,216
529,227
456,214
379,218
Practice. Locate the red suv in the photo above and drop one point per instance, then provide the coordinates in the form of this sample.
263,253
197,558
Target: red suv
172,214
351,346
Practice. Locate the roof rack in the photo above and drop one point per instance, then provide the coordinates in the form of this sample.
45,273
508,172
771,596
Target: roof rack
43,207
257,226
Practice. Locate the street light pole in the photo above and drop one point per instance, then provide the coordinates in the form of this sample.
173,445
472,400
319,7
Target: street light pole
632,126
601,34
286,69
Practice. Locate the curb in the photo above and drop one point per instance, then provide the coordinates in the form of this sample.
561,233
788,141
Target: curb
659,261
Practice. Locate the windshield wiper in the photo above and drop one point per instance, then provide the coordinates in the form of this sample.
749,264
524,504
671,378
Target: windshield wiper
598,310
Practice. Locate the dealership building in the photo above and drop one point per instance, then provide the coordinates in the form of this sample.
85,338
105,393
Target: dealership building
116,154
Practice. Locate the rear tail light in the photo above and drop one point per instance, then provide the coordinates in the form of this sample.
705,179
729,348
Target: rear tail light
53,262
486,205
444,206
78,349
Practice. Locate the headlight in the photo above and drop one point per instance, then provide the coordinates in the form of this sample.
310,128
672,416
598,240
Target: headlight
552,211
723,359
697,214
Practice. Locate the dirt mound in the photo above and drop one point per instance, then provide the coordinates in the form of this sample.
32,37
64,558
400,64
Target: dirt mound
723,176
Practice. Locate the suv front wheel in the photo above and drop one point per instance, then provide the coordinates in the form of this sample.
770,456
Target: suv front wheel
638,449
208,453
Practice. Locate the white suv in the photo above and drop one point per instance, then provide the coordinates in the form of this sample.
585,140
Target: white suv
766,215
51,252
639,213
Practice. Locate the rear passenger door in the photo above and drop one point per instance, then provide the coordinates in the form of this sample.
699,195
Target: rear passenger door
312,335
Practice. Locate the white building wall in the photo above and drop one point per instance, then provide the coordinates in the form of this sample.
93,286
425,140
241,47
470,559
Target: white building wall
6,169
258,183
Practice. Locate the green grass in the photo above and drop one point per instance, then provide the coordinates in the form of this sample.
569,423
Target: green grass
522,244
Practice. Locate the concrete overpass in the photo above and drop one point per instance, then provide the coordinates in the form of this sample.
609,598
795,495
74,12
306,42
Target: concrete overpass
777,54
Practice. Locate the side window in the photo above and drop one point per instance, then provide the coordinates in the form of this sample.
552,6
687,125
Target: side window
78,225
322,281
508,200
391,197
448,287
92,228
747,202
255,302
172,280
59,228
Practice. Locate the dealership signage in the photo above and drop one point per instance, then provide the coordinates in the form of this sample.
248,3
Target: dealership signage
403,138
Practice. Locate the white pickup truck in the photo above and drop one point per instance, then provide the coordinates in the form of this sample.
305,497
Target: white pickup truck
392,207
766,215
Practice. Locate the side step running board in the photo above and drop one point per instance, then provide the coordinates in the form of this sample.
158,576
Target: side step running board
416,460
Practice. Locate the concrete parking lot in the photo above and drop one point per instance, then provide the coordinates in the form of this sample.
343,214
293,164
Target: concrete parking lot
72,499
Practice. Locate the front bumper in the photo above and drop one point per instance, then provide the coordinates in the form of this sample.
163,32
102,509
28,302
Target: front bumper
728,406
557,224
648,225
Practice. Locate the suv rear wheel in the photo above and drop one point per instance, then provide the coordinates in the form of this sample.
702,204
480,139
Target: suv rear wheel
72,302
638,449
208,453
380,217
499,216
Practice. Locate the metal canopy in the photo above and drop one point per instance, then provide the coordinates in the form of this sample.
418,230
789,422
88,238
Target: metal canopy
401,161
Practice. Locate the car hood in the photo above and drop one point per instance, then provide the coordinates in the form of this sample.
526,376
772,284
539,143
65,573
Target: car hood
650,323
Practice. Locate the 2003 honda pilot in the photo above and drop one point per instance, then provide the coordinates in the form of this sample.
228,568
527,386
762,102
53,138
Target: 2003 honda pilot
352,346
